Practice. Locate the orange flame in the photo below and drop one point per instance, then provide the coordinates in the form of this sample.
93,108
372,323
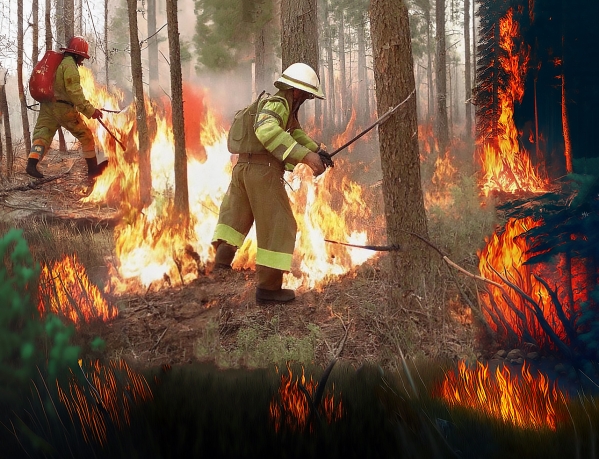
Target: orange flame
291,408
106,394
525,401
506,168
506,254
151,247
65,289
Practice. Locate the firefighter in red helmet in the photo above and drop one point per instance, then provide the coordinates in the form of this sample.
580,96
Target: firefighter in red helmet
65,110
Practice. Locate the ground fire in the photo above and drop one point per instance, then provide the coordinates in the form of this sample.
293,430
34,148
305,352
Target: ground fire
65,290
150,247
526,401
101,395
292,409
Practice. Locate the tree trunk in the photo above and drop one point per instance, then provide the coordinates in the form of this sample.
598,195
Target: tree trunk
400,162
343,90
7,130
429,70
153,50
145,166
20,84
69,19
260,78
61,37
35,29
181,188
442,133
48,24
467,75
106,55
363,108
299,33
330,122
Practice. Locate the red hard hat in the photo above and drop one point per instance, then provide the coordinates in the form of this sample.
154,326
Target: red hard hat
77,45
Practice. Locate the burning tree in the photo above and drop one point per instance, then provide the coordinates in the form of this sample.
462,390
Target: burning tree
552,296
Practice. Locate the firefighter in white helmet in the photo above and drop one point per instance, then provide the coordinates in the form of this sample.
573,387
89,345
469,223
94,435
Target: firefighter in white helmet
69,101
257,189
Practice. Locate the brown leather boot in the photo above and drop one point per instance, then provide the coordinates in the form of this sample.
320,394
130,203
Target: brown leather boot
269,286
224,255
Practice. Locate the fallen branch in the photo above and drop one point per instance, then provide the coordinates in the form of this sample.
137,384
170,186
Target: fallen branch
34,184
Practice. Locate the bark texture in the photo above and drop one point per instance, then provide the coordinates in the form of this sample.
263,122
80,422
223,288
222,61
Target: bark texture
398,138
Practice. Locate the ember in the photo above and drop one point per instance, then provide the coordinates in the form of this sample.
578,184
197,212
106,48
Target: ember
290,407
66,290
525,401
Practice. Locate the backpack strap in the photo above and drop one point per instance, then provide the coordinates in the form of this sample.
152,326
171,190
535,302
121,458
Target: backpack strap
269,112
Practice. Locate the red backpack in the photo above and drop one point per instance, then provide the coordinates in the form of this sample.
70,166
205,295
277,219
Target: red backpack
41,82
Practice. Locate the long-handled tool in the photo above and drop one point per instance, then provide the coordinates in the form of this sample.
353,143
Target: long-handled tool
111,134
381,120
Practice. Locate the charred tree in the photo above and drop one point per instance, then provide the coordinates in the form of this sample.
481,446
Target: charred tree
400,162
178,121
145,166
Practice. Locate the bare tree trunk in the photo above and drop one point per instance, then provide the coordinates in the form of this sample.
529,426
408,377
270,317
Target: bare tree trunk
467,75
153,50
181,188
330,123
442,130
344,92
20,84
48,24
299,33
145,166
363,109
402,189
429,71
35,50
62,38
7,130
107,55
69,19
260,61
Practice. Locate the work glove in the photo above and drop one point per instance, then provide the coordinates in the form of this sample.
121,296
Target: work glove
325,158
97,114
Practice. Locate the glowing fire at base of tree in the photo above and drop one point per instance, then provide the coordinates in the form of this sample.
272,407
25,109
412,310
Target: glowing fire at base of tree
105,394
290,406
524,401
65,290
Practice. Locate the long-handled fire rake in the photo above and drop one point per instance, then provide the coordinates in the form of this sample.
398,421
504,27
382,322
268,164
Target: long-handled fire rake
111,134
381,120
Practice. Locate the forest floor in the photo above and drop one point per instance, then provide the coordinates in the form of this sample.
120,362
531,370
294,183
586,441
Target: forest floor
216,317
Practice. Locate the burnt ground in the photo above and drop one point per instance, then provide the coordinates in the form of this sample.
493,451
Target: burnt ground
203,320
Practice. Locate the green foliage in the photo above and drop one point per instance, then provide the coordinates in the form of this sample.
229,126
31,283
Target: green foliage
258,346
26,342
225,27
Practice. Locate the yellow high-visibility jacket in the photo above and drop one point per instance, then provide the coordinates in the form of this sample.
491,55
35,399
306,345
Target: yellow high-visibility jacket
279,130
67,86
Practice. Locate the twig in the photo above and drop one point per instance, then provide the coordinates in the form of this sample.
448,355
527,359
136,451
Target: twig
159,339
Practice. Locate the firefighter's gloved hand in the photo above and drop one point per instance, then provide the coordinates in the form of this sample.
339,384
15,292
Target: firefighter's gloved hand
313,160
97,114
325,158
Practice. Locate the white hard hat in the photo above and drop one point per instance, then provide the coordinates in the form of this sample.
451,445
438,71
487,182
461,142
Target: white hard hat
300,76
